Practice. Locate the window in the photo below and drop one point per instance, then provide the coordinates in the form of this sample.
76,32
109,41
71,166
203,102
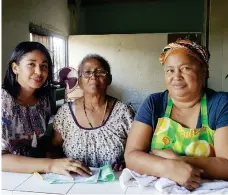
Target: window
57,45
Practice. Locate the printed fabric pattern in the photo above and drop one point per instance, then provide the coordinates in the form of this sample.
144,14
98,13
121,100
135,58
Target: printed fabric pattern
22,126
95,147
184,141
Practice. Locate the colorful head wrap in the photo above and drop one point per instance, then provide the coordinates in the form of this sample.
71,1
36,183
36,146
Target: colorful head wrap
198,51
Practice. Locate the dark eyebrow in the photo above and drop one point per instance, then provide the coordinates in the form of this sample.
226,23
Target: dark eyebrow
93,70
183,64
31,60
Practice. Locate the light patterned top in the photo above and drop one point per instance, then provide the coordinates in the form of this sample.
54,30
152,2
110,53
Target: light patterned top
23,125
95,146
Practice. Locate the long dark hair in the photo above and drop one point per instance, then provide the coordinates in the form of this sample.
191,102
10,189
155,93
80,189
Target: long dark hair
10,83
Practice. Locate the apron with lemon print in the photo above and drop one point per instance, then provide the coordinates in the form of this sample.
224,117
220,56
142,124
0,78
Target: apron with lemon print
184,141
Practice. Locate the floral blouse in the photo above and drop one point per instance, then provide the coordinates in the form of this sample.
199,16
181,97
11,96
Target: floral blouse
95,146
22,126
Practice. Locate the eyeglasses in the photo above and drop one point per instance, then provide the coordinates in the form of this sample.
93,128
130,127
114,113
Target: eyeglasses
97,73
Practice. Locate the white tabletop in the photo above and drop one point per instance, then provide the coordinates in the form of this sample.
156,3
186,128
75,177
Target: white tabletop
17,183
98,188
145,190
10,181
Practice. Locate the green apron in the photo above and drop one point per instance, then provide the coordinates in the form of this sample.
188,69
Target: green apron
184,141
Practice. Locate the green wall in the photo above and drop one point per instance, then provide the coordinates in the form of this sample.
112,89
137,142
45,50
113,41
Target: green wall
161,16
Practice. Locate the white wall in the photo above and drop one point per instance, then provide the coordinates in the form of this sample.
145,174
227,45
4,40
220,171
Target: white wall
133,58
218,45
16,15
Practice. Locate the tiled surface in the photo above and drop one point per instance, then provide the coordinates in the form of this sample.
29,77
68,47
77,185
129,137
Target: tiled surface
6,192
99,188
35,184
16,183
31,193
12,180
145,190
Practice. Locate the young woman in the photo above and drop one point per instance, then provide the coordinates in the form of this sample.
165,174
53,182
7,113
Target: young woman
26,111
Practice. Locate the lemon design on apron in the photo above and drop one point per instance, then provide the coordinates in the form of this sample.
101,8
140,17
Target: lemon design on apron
184,141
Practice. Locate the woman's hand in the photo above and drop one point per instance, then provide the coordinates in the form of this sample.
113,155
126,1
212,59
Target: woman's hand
66,165
118,166
166,153
185,174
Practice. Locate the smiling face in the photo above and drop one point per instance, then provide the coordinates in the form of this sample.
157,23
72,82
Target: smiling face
98,81
184,75
32,70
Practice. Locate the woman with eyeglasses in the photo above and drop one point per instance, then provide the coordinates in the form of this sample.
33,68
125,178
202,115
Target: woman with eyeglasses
93,129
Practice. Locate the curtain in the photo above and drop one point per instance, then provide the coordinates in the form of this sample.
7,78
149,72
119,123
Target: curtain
56,47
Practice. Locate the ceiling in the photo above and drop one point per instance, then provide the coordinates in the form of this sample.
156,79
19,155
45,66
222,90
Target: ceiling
100,2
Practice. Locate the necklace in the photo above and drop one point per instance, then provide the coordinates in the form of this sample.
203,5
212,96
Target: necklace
106,104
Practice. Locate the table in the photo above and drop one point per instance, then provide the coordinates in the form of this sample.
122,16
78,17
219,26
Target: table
18,183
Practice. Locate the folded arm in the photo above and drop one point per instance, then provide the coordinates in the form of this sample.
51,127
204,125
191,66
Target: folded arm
136,154
139,159
214,167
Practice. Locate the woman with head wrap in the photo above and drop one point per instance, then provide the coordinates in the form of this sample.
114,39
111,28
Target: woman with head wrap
181,134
